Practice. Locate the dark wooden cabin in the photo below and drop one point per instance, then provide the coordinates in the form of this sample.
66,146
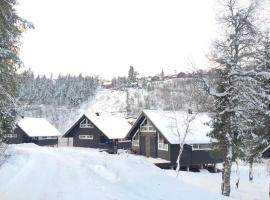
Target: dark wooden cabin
154,135
100,131
33,130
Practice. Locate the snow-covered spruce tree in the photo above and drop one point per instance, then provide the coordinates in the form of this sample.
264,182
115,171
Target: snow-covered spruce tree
132,76
11,28
237,93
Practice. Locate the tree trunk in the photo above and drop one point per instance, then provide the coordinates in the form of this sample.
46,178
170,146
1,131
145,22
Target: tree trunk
238,174
226,176
178,164
250,171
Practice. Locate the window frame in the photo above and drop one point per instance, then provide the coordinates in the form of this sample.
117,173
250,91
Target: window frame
11,135
86,137
199,148
162,146
136,142
148,127
85,123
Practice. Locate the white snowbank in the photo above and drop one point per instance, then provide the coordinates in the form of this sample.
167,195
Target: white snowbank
248,190
39,173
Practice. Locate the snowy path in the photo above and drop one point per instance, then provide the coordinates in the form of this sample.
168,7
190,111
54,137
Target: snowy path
36,173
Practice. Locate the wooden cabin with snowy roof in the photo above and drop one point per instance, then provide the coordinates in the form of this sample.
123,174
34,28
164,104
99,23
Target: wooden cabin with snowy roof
154,134
101,131
33,130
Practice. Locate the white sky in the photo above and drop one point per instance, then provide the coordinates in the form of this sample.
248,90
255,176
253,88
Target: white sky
105,37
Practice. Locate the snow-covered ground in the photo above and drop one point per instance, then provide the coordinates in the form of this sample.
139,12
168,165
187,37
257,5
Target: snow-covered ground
248,190
42,173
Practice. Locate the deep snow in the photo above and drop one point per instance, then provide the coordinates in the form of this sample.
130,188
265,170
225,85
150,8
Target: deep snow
42,173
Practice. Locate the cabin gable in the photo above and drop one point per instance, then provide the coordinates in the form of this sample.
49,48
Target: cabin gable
86,134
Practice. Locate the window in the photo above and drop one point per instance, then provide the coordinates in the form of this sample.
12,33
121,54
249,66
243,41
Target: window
136,139
86,137
201,146
86,124
146,126
10,135
162,144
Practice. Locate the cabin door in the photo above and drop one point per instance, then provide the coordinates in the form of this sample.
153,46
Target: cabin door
148,145
151,145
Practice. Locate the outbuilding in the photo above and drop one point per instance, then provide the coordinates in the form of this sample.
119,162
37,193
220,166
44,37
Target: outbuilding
33,130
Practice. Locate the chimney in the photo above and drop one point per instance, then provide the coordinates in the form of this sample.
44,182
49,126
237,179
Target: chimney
97,114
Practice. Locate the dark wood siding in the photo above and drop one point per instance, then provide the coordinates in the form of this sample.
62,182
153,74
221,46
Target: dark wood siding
21,137
186,158
95,132
200,157
124,145
266,153
166,155
47,142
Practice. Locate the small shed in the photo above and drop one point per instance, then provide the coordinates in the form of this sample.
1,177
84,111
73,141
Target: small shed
34,130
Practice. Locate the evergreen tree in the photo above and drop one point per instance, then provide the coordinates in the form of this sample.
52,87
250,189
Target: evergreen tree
11,28
132,75
162,75
238,93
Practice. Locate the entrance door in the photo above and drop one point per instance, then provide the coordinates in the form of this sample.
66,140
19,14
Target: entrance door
153,146
148,145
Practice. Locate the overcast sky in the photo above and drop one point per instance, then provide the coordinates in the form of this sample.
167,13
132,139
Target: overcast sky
105,37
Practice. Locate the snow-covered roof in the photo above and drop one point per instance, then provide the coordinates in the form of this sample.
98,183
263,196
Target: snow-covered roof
37,127
114,127
165,122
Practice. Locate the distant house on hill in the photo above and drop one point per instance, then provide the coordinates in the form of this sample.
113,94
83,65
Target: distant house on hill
154,135
33,130
100,131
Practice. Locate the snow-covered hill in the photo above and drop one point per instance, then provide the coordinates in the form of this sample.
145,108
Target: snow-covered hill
106,101
42,173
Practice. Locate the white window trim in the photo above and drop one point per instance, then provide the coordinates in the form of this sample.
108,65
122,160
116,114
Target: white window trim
11,135
86,137
86,124
136,142
146,128
162,146
199,149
